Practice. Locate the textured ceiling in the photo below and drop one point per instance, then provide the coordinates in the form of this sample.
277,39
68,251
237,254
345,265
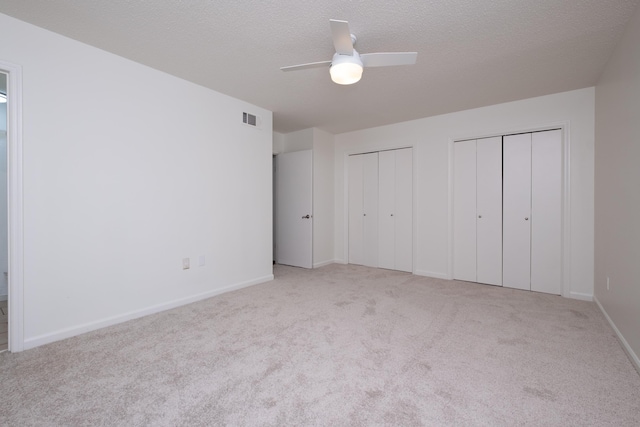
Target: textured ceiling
470,53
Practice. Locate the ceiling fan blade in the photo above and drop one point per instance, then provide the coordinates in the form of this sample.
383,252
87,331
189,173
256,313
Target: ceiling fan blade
341,37
388,58
305,66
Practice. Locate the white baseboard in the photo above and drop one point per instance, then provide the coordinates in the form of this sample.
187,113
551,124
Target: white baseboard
431,274
114,320
323,263
581,296
625,345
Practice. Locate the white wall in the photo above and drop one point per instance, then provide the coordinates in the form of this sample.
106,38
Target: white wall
126,171
298,141
323,154
431,137
617,198
278,143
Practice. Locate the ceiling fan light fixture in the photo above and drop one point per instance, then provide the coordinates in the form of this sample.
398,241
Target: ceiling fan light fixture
346,69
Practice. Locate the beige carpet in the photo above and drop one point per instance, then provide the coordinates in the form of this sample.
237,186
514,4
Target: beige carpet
340,345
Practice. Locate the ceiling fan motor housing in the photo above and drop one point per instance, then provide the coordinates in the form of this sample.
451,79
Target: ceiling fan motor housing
346,69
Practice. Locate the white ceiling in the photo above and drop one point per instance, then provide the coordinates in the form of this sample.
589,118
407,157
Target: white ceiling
470,53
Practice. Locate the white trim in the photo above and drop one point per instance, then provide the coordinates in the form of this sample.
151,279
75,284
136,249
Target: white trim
511,131
114,320
345,210
566,197
581,296
451,166
566,210
323,263
15,200
414,207
633,357
432,274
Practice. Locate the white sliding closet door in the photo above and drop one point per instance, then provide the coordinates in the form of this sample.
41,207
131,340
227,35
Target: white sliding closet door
380,202
395,249
489,210
356,210
370,209
363,209
546,212
464,211
517,211
386,203
404,210
478,210
508,211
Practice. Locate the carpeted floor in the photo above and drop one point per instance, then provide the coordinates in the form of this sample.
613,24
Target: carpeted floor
339,345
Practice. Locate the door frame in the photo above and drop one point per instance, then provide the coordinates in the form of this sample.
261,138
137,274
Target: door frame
565,129
278,214
15,205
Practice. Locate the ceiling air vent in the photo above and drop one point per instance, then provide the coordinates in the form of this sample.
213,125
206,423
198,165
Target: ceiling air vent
250,119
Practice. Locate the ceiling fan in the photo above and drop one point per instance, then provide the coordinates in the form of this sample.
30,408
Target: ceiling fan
347,64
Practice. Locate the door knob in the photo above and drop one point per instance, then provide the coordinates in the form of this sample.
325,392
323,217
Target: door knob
306,217
526,218
479,216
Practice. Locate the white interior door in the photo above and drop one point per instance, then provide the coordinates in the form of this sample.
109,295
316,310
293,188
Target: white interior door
370,209
464,211
356,209
386,208
546,212
517,211
403,212
294,204
489,210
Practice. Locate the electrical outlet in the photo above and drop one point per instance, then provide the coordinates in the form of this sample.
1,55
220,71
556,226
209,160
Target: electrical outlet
185,264
607,282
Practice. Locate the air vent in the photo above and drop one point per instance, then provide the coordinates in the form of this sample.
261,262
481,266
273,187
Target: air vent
249,119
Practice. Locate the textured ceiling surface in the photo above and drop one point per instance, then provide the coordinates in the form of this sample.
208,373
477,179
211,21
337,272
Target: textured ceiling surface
470,53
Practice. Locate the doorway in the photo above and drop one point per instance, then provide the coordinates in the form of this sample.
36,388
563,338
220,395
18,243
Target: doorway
294,209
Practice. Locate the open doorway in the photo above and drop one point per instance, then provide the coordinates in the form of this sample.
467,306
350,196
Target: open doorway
4,237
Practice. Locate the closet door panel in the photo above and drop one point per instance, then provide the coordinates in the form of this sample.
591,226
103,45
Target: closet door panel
489,210
370,209
386,207
356,219
403,213
546,212
464,220
517,211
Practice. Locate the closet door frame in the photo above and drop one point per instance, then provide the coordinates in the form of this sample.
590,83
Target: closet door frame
566,194
345,242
